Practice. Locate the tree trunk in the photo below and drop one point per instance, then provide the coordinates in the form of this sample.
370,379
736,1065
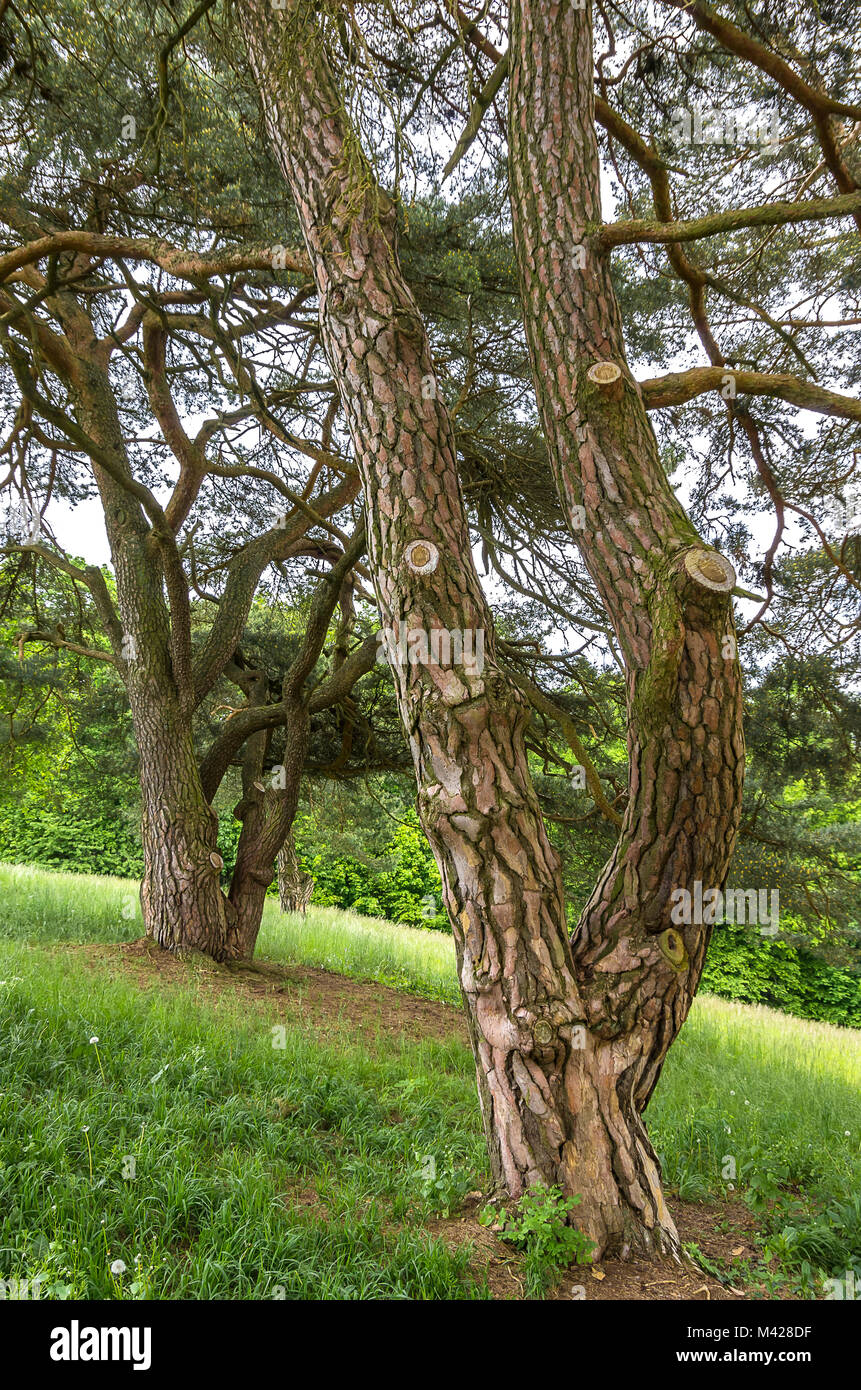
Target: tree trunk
668,595
267,813
295,887
552,1094
183,905
181,898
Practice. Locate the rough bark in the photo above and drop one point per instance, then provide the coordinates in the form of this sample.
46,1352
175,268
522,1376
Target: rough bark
294,885
552,1108
181,898
667,594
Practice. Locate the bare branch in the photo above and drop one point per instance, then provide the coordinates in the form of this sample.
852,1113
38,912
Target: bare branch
677,387
716,223
484,99
175,260
53,639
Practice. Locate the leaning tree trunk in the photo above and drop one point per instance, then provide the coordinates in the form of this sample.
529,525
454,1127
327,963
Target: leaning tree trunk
267,812
551,1094
667,594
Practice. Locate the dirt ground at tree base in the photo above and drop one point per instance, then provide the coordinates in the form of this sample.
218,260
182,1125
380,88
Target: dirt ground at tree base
335,1006
722,1231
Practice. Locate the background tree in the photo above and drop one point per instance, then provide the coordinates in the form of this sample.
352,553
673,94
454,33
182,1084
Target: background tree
96,354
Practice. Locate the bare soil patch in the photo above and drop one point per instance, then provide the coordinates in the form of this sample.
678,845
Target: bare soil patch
330,1004
723,1231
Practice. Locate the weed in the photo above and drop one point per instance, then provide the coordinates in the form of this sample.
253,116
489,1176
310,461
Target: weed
540,1227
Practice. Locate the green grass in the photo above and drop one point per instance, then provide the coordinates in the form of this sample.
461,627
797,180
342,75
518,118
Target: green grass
263,1172
230,1136
39,905
766,1089
421,962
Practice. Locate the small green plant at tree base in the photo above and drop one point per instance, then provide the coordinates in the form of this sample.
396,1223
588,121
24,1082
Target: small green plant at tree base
764,1184
540,1228
443,1184
713,1267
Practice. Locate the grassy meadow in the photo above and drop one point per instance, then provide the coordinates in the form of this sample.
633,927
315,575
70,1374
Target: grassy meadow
216,1154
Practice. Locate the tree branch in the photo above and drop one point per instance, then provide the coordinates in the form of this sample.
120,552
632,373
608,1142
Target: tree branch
53,639
476,116
541,702
175,260
716,223
677,387
244,576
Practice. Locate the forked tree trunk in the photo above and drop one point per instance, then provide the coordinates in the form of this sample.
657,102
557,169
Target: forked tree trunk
465,725
560,1100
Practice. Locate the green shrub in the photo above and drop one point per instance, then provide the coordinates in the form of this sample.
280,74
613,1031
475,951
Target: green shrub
401,884
71,840
757,970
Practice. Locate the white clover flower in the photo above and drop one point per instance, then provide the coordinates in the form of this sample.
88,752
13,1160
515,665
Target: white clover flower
93,1040
118,1267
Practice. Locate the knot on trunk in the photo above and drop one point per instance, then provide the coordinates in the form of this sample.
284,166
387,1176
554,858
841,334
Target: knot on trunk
542,1033
553,1035
672,945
